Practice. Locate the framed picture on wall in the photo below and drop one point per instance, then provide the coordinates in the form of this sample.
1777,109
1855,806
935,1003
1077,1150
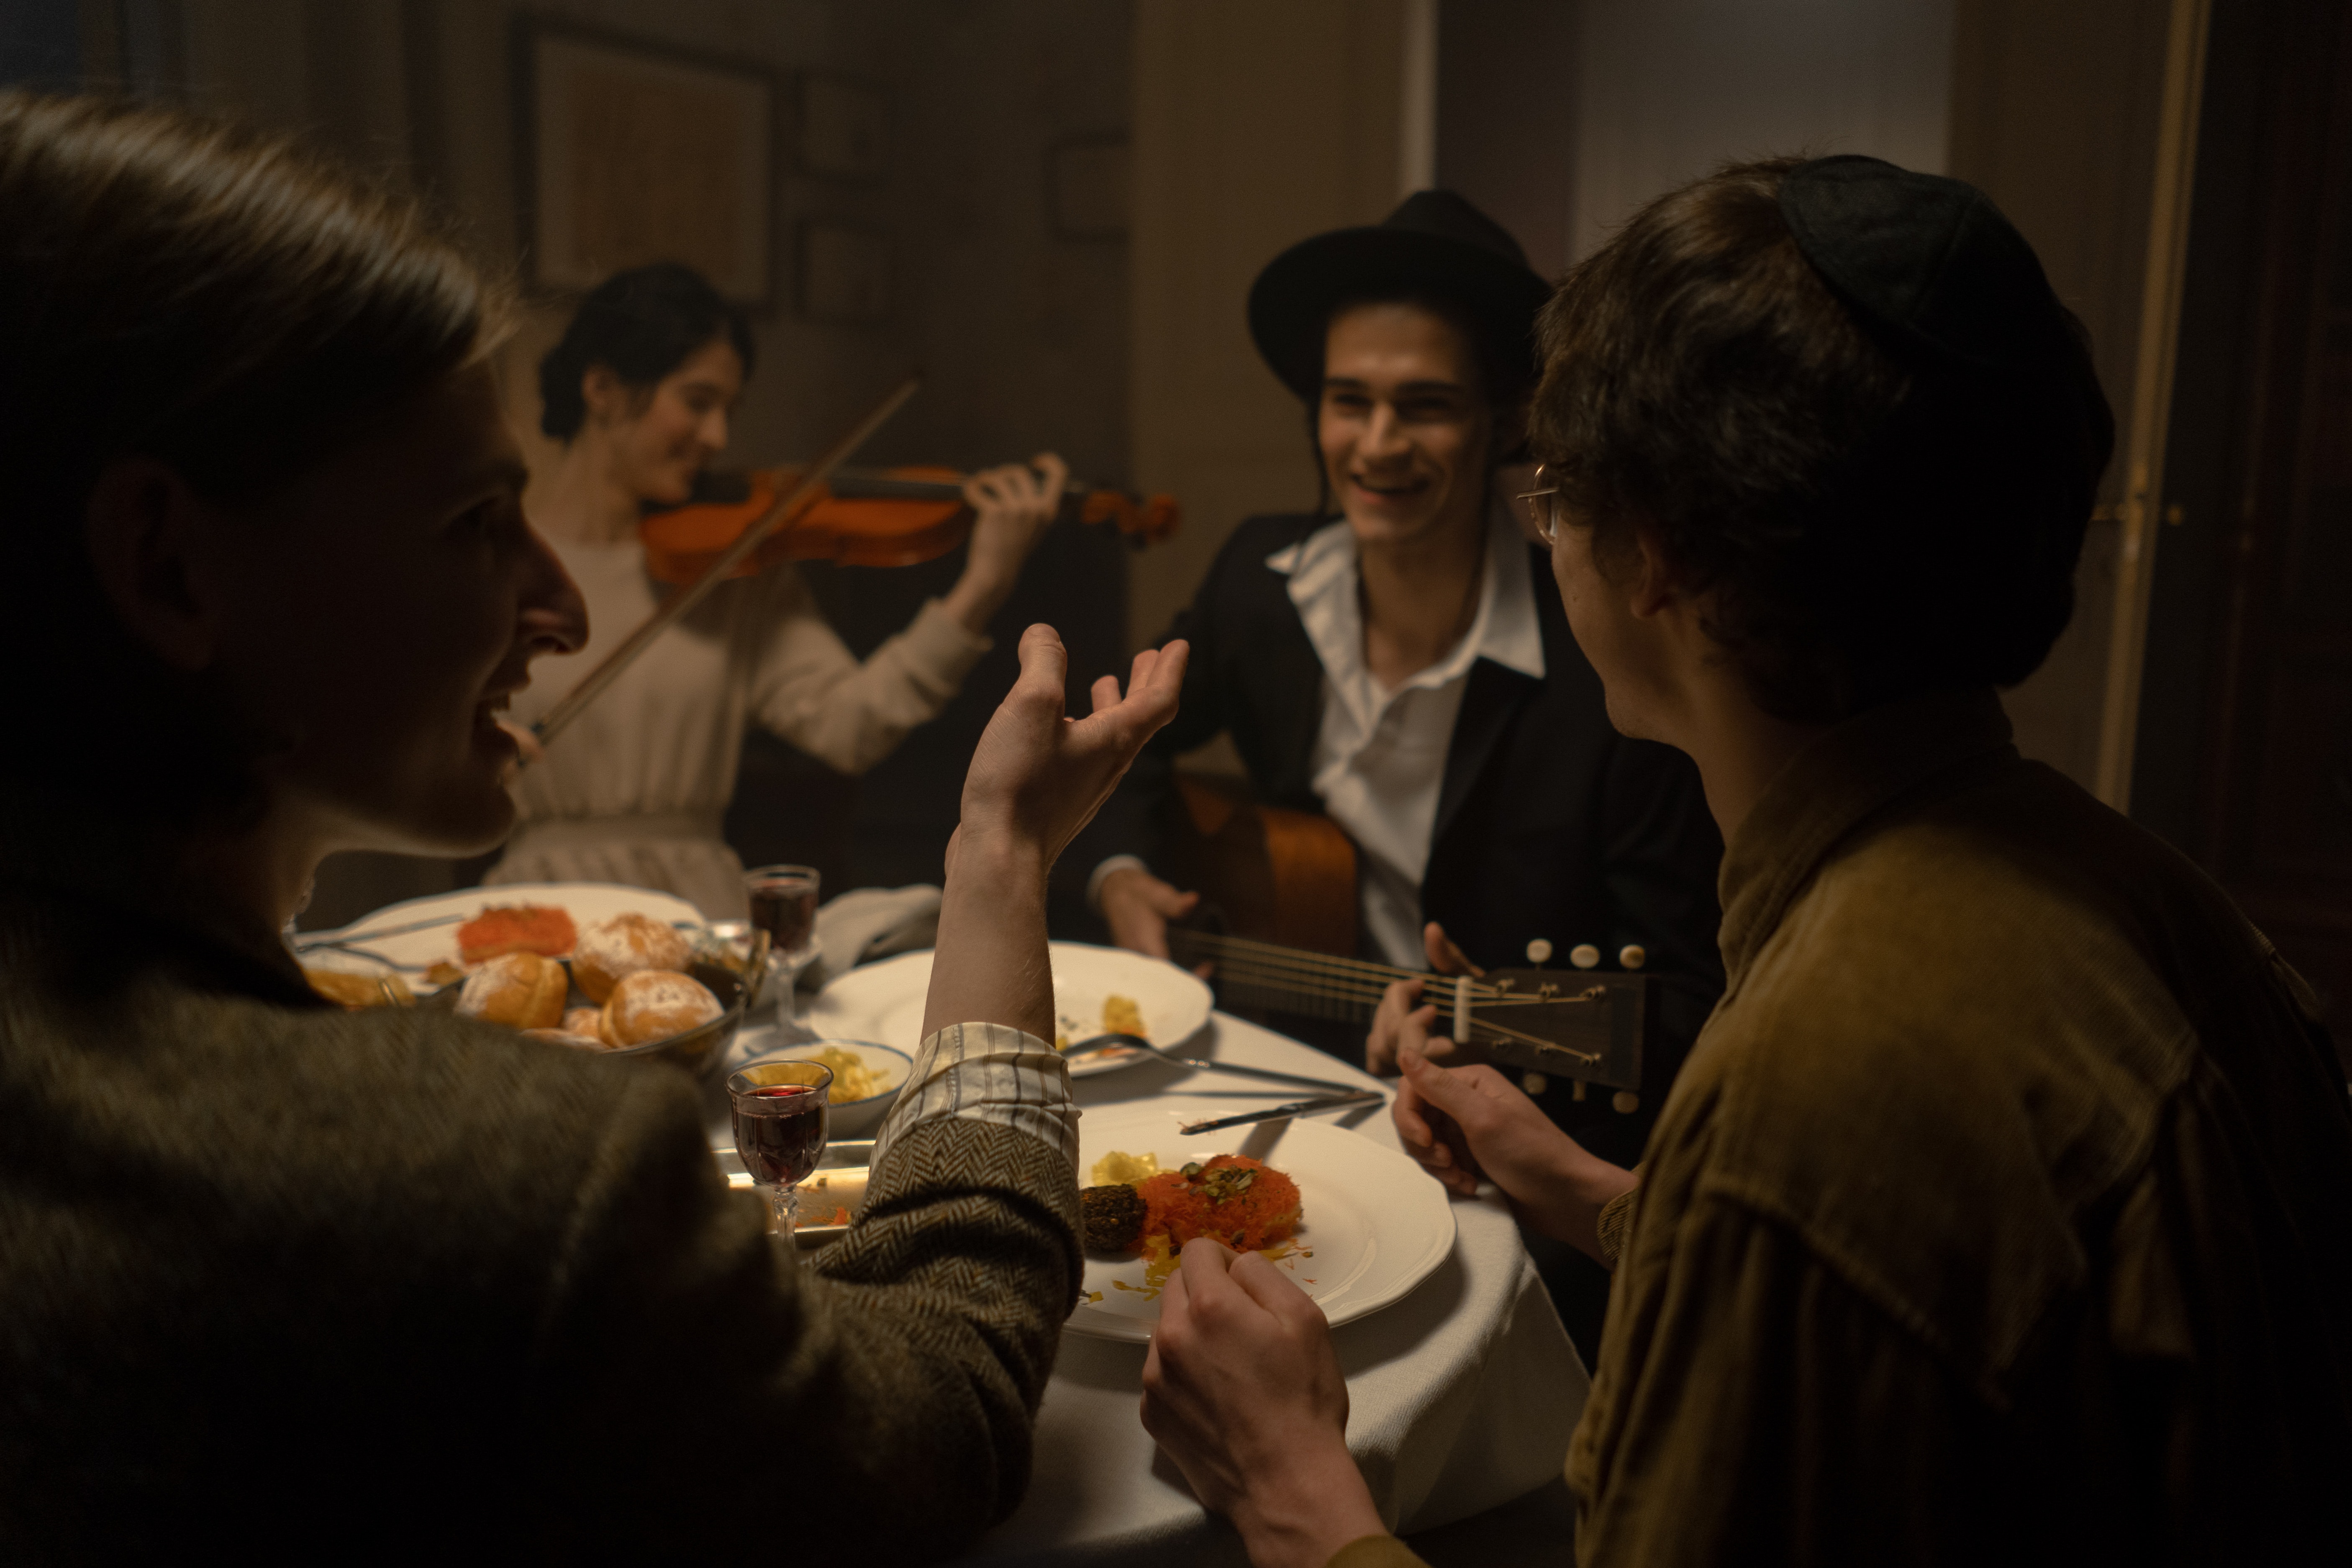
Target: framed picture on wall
633,154
845,129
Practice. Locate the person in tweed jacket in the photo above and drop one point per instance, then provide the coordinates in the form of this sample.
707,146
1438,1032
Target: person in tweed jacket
279,1279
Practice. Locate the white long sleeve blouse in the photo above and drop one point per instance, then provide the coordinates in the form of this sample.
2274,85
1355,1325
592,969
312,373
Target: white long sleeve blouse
635,789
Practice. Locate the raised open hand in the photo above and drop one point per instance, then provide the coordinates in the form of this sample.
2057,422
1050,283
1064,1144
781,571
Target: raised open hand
1037,775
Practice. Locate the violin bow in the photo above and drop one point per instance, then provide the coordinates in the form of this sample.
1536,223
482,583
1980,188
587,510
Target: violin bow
811,481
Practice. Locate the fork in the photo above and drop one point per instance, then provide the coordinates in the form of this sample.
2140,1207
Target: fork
1095,1043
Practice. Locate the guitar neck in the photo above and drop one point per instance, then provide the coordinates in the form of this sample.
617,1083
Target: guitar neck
1288,979
1577,1022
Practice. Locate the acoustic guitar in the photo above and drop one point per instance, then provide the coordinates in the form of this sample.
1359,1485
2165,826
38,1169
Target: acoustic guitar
1277,923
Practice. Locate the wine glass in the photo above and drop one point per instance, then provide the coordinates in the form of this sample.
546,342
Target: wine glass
780,1118
784,904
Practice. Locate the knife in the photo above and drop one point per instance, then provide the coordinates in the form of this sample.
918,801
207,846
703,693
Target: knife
1296,1107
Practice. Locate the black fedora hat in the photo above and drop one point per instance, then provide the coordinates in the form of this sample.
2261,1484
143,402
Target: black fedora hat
1435,246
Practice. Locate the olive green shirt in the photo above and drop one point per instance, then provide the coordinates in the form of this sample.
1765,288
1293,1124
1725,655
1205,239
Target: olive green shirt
2004,1211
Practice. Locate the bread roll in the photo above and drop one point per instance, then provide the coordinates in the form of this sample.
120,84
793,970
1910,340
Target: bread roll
588,1021
629,943
521,989
656,1004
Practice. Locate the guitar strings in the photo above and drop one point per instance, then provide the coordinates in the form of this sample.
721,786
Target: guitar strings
1246,962
1325,987
1268,955
1237,954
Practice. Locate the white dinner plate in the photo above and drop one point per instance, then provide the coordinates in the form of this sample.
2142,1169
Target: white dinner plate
418,949
1373,1224
885,1001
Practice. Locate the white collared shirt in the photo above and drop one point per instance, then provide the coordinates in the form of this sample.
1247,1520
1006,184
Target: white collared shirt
1380,756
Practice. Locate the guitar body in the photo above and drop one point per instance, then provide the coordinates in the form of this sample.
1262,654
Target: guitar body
1281,889
1276,876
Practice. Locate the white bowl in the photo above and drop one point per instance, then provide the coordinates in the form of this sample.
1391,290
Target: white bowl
855,1118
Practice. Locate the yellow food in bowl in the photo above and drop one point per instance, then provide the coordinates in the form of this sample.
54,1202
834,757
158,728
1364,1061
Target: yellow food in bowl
852,1079
1122,1016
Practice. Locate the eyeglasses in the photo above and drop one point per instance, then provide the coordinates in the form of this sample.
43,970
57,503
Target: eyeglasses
1544,506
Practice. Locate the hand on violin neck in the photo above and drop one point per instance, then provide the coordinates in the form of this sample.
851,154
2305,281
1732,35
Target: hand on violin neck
1012,506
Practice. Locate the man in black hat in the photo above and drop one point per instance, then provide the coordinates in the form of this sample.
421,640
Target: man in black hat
2000,1212
1405,668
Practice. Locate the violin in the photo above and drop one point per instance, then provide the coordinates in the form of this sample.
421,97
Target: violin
862,517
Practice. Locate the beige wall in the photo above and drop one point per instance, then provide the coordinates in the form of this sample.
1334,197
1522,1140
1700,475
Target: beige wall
1667,89
2055,113
1255,125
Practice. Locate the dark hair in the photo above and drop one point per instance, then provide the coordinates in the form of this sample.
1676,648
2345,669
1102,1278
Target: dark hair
641,324
1871,524
208,296
1506,372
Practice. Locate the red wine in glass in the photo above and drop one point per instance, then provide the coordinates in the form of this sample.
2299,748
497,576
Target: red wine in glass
780,1117
784,904
780,1133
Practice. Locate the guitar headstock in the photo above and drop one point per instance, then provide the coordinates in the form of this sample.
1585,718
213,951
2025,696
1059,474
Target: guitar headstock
1581,1024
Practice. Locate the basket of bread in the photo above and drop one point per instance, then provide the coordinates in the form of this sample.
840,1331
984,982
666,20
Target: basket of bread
627,986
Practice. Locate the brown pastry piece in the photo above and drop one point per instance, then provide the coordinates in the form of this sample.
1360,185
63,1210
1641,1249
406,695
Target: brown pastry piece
356,990
1113,1217
521,989
610,951
565,1037
588,1021
655,1005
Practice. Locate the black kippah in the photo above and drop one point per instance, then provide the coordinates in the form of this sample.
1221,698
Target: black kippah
1930,261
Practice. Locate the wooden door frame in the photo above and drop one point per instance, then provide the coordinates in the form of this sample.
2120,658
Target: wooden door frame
2151,405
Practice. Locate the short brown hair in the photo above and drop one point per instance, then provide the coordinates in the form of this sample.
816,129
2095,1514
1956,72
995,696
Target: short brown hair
1870,524
209,297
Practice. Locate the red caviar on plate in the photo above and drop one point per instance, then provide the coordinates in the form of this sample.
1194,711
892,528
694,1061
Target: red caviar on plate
516,927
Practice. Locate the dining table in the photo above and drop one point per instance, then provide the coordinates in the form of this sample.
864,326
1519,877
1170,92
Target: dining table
1462,1394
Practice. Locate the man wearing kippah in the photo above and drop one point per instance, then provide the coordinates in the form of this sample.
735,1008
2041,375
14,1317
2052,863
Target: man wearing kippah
2003,1209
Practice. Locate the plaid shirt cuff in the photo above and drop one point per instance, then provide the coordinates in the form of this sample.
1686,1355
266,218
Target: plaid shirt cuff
992,1073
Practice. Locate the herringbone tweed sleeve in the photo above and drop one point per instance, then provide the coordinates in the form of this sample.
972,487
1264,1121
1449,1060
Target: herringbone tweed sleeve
880,1401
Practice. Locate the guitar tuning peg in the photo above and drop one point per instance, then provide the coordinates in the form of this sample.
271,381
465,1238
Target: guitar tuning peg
1538,952
1633,955
1584,956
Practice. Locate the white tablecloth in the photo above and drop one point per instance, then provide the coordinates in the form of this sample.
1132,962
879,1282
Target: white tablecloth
1461,1396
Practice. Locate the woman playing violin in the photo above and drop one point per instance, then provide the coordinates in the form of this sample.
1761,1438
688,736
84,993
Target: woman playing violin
640,391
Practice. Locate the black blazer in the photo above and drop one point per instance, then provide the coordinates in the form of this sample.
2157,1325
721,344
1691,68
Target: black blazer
1549,823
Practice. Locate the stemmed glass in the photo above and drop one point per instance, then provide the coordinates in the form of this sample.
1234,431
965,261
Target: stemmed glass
780,1108
784,904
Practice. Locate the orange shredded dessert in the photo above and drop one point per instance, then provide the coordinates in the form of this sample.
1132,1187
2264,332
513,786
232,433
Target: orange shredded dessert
519,927
1232,1197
